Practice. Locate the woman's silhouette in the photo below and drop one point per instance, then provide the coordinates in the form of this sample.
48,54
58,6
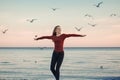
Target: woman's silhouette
58,53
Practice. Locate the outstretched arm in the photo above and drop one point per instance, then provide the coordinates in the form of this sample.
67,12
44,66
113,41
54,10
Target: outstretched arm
74,35
43,37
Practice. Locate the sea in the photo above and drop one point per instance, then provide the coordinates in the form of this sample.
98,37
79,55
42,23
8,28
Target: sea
80,63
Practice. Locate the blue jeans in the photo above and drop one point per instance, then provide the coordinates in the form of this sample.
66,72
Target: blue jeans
56,61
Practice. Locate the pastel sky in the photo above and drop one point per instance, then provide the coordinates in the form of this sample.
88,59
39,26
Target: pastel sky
13,15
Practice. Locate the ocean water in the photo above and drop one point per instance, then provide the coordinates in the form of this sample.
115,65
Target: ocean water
79,64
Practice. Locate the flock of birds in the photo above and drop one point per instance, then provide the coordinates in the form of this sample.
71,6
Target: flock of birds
90,24
98,5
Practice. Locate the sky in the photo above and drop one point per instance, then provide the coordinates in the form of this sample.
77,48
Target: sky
70,14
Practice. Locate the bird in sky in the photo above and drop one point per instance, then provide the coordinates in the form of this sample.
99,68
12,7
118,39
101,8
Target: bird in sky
54,9
98,5
88,15
4,31
93,25
31,20
78,29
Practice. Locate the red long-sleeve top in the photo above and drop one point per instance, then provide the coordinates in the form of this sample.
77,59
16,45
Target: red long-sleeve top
59,40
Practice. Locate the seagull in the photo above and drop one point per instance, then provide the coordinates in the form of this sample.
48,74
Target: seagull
78,29
113,15
31,20
88,15
54,9
4,31
98,5
93,25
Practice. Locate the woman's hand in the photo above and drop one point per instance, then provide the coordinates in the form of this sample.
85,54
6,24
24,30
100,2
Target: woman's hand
83,35
36,39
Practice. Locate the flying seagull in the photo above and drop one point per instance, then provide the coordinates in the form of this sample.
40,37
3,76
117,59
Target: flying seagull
4,31
88,15
54,9
31,20
98,5
78,29
93,25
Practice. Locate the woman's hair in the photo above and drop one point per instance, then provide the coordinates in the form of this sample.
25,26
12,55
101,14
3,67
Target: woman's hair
54,30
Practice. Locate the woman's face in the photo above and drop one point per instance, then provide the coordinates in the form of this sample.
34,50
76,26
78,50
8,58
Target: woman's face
58,30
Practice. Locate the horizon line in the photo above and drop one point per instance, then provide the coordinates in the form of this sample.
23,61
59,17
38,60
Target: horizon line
67,47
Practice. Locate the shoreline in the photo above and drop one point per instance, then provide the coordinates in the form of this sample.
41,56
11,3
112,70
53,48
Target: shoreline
65,78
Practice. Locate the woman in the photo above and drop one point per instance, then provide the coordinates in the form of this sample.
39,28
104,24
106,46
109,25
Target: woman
58,53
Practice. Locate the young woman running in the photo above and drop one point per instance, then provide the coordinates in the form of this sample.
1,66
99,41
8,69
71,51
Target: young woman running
58,53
